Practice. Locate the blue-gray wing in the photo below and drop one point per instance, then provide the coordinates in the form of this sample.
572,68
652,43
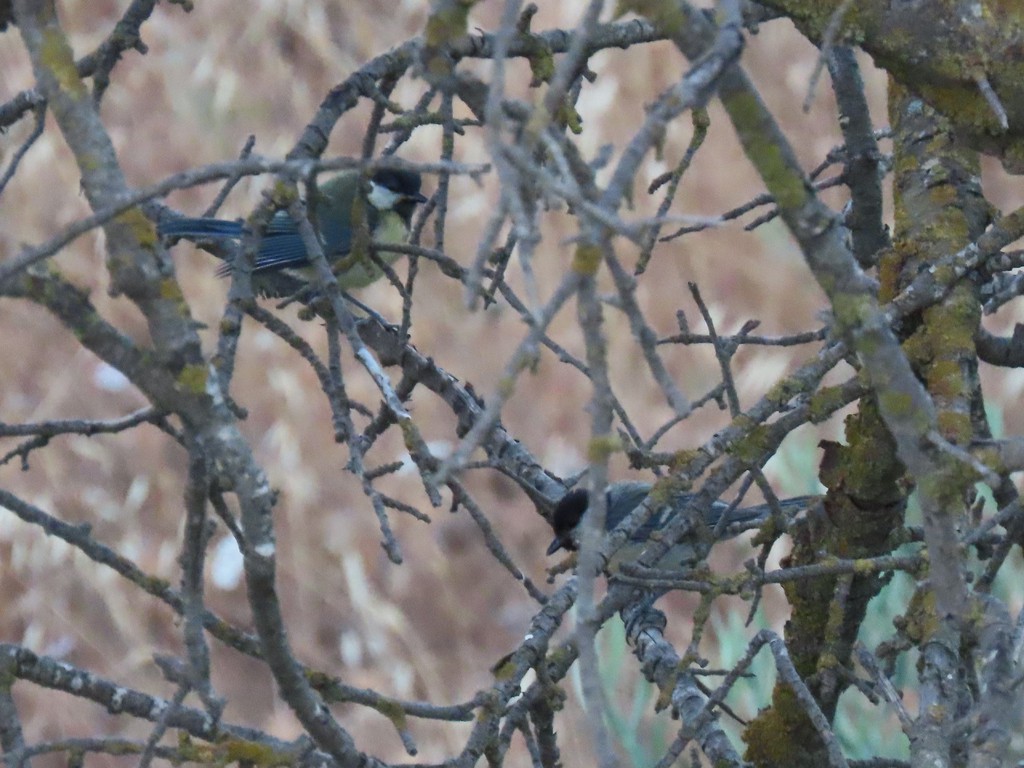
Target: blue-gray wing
622,498
281,246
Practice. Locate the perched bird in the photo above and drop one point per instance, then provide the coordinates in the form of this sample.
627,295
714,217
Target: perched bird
622,498
388,199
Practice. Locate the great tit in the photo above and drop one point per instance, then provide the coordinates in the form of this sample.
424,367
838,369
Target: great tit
623,497
282,266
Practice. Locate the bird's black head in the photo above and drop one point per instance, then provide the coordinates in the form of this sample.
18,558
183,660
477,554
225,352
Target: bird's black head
404,184
567,515
394,189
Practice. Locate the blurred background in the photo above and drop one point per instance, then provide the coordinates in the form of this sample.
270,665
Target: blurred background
430,628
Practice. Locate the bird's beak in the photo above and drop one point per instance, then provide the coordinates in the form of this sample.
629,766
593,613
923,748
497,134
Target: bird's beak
554,546
417,198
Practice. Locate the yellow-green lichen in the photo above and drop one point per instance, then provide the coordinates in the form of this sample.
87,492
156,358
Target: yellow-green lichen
825,402
506,671
252,753
193,378
682,459
141,228
447,23
663,13
896,402
781,175
394,712
755,445
920,623
587,259
599,448
542,64
58,58
506,386
170,290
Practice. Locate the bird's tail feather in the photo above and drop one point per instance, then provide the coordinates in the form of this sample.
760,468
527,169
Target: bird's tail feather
746,514
199,228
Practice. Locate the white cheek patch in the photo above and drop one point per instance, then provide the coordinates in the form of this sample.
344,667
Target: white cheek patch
382,198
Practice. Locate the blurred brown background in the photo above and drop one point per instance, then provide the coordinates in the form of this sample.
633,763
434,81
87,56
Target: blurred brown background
428,629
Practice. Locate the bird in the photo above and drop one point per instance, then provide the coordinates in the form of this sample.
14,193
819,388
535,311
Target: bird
623,497
388,199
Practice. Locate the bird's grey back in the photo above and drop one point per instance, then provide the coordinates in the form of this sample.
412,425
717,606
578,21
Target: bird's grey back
624,497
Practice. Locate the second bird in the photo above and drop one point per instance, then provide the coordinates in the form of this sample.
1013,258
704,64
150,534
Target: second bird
389,198
623,497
